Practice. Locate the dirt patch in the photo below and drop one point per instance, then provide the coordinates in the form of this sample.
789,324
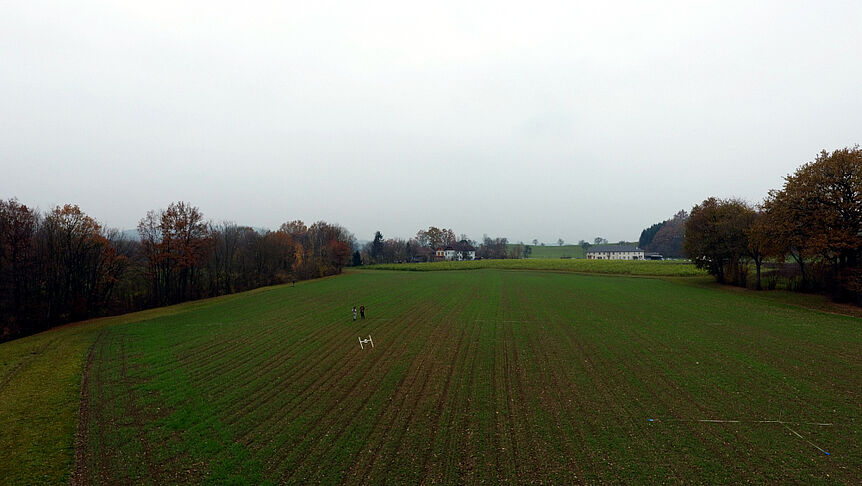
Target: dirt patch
81,471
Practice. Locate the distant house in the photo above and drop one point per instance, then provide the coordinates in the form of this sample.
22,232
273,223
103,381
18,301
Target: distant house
457,252
615,252
465,251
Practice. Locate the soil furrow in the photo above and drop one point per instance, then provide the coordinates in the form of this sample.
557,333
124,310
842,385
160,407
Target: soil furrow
80,473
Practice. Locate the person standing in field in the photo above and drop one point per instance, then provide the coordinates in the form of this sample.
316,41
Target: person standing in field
354,312
362,311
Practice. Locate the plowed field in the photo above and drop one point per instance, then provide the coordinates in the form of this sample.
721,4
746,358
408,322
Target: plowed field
476,376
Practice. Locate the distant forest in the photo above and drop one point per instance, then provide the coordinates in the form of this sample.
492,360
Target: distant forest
63,266
665,237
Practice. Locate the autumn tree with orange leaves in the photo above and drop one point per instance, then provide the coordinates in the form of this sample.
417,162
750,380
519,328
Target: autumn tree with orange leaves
320,249
815,219
175,243
53,269
80,265
65,266
817,216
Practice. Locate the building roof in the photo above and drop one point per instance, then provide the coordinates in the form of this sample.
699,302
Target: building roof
612,248
460,246
464,246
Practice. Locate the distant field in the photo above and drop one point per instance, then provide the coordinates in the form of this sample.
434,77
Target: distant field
568,251
610,267
481,376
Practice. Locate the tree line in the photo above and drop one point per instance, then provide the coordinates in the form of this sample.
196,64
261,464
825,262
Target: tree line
814,222
421,247
665,237
62,265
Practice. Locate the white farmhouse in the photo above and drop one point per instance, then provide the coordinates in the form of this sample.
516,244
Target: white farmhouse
457,252
449,253
615,252
464,251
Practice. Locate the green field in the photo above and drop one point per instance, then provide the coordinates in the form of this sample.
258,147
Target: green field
607,267
476,376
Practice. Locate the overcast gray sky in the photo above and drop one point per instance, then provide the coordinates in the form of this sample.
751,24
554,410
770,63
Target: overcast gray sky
526,120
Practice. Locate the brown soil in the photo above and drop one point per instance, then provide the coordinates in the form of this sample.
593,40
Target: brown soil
81,473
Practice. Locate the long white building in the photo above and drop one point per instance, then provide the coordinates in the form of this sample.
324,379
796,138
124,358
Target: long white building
615,252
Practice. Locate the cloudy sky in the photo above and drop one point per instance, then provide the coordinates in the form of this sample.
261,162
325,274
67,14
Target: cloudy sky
527,120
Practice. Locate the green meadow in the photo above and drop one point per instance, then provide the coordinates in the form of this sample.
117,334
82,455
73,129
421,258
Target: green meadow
489,375
607,267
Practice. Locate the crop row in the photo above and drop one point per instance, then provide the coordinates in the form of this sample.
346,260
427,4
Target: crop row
482,376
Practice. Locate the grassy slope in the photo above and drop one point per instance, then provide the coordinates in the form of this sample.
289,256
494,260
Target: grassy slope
476,376
38,405
40,385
